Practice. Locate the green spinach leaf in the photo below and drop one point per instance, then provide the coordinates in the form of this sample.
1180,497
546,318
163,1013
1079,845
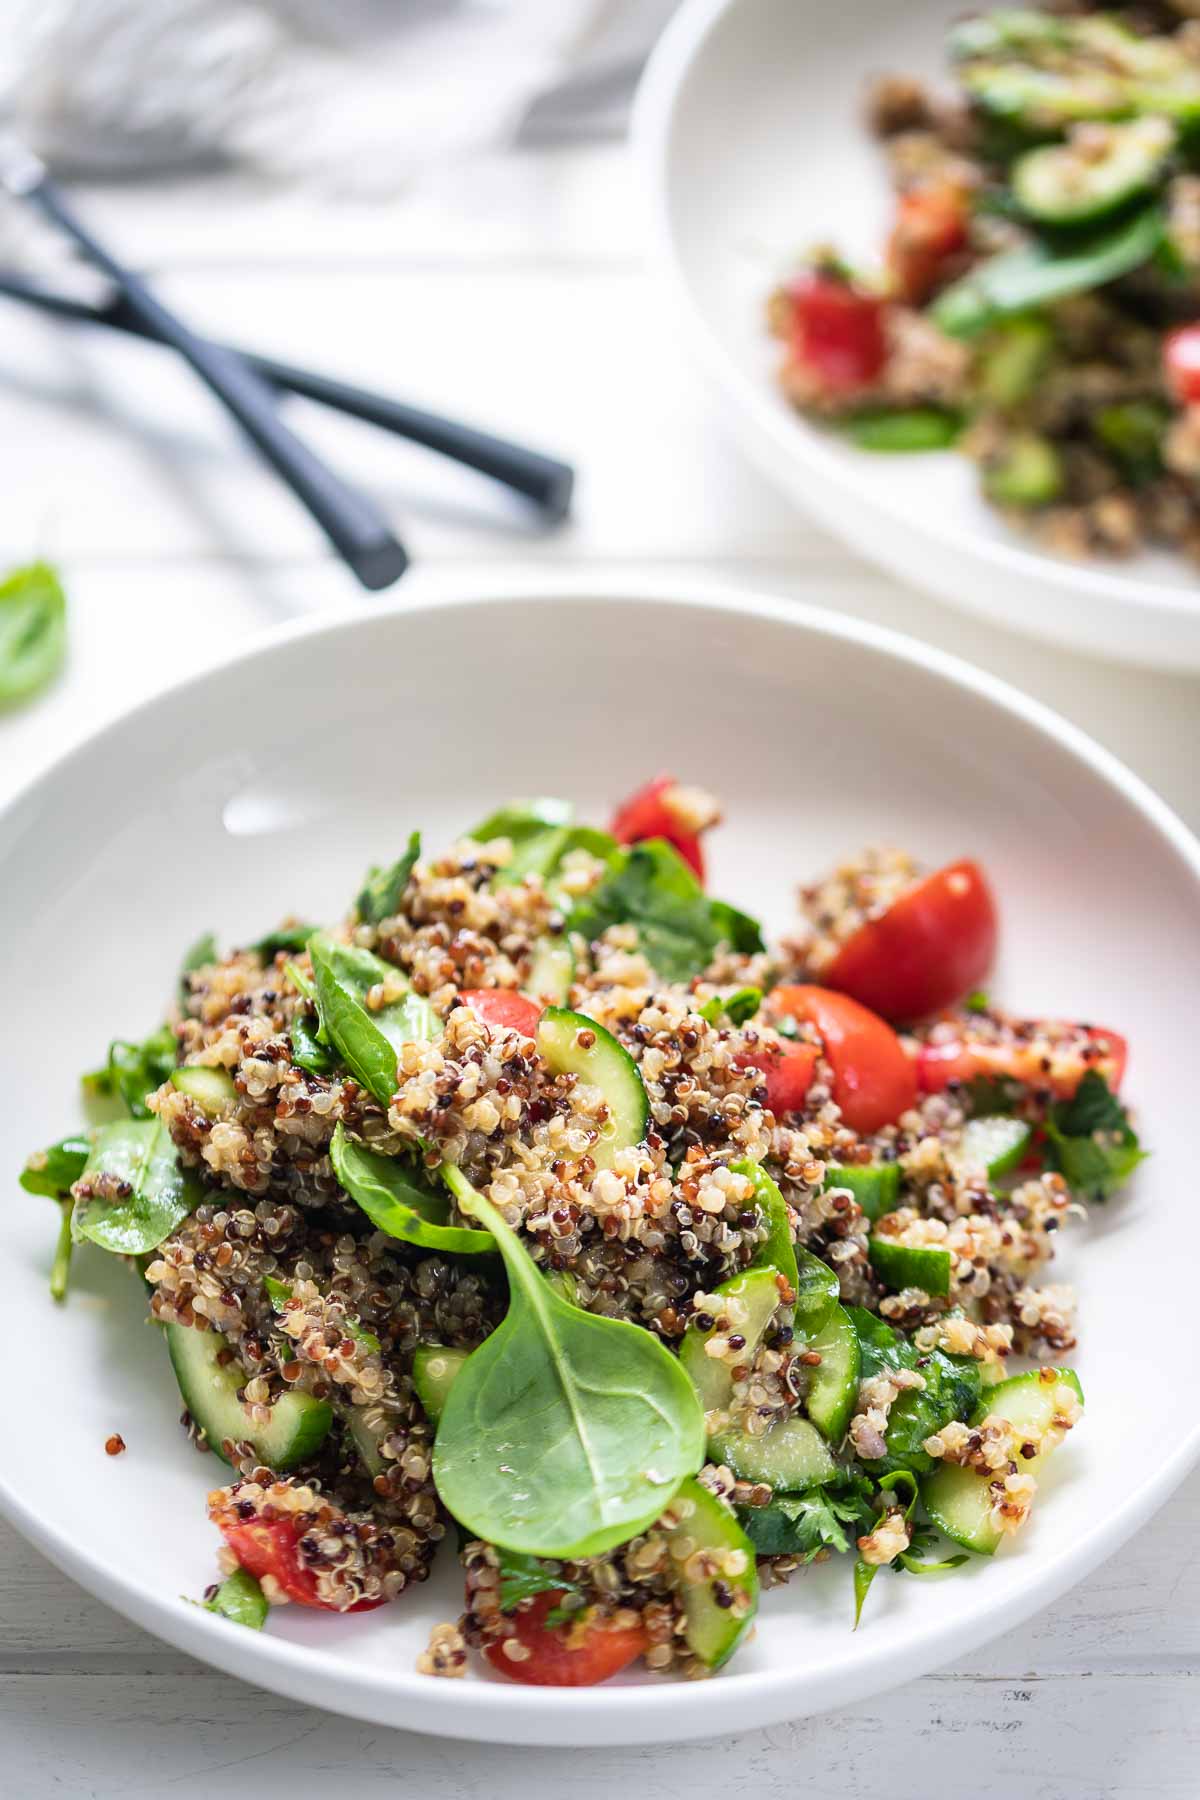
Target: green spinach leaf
239,1599
202,952
649,886
396,1204
382,891
522,819
951,1391
33,631
55,1171
291,938
133,1191
134,1070
368,1041
564,1433
1090,1140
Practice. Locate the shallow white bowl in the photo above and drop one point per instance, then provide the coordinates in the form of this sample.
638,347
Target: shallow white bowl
268,784
751,148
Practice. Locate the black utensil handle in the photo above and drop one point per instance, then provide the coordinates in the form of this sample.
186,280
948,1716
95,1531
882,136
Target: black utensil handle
352,523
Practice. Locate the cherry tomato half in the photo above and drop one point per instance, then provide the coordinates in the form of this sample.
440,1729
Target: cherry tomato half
647,814
1181,363
932,946
566,1655
787,1069
931,224
503,1008
271,1547
837,332
873,1080
1055,1064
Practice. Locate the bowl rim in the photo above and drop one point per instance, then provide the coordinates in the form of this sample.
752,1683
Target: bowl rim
506,1712
653,119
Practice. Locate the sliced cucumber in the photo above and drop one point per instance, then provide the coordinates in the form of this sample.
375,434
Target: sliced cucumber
777,1251
752,1299
789,1456
993,1145
876,1186
958,1500
1093,173
1025,471
713,1627
298,1424
833,1388
211,1089
572,1044
551,971
435,1370
910,1265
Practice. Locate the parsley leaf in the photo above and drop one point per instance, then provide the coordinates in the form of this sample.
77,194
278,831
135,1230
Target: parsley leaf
822,1518
1090,1141
522,1576
951,1391
648,885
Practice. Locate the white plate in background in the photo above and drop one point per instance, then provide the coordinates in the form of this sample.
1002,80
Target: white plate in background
266,785
752,147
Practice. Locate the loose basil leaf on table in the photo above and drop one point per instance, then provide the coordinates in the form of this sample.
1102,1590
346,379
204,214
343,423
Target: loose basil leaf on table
33,631
564,1433
55,1171
1090,1141
679,928
396,1204
368,1041
383,889
141,1191
134,1070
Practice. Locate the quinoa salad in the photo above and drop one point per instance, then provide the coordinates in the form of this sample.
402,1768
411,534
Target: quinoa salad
539,1214
1038,301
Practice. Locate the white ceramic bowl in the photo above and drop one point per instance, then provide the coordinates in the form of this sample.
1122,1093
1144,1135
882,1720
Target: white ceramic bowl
751,147
266,786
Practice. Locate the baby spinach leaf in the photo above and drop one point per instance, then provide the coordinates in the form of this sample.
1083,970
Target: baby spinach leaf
132,1192
203,951
823,1518
382,891
649,886
291,938
33,630
134,1070
368,1041
522,819
55,1171
542,853
396,1204
239,1599
308,1051
521,1577
951,1391
1090,1140
564,1433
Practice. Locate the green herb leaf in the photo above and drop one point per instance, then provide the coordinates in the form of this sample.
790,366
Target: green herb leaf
60,1268
132,1192
33,631
777,1251
913,1565
369,1042
738,1007
648,885
521,1577
564,1433
522,819
55,1171
383,889
292,938
951,1391
308,1050
239,1599
904,429
202,952
135,1070
279,1293
823,1518
1090,1140
396,1204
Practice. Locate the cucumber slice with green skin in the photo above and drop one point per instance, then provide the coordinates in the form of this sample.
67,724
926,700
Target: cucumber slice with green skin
713,1628
572,1044
435,1369
910,1265
551,971
1080,183
298,1424
790,1456
833,1388
958,1500
993,1145
876,1186
754,1299
1025,472
211,1089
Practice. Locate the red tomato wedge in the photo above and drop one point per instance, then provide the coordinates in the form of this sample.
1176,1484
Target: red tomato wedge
647,814
932,946
503,1008
931,224
270,1547
873,1080
838,333
566,1655
1054,1063
1181,363
788,1069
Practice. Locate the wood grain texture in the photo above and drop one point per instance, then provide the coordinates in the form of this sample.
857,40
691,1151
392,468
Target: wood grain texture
512,294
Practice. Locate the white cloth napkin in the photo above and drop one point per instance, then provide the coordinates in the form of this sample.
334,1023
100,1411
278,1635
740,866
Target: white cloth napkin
358,94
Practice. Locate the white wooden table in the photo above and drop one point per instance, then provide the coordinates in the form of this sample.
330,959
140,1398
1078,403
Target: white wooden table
515,295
